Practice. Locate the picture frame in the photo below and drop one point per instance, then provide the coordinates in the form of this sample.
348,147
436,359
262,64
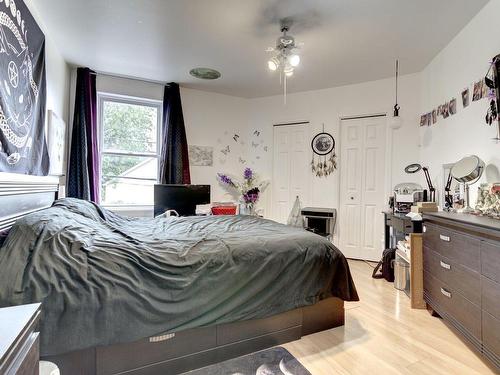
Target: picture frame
56,142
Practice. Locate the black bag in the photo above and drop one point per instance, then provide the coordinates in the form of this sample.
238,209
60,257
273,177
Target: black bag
387,264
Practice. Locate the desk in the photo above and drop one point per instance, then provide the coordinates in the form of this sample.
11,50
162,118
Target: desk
401,226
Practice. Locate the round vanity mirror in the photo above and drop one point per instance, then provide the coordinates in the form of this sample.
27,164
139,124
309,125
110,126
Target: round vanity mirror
468,169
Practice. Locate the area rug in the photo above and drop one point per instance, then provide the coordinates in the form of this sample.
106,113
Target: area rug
274,361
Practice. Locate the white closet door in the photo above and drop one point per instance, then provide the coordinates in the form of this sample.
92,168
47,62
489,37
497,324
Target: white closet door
290,168
362,178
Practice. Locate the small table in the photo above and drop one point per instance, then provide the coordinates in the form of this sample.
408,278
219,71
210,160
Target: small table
19,339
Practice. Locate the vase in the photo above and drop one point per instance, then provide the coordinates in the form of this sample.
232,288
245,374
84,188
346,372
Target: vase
247,209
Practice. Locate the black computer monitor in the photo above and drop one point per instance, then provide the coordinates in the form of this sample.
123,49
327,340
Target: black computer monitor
181,198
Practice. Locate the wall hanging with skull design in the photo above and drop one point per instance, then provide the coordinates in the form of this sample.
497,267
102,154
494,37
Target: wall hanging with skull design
324,159
22,91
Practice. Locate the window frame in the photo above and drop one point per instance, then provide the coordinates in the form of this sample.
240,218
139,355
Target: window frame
103,97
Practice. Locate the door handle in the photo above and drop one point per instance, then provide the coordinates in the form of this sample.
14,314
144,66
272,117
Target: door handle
444,238
446,266
445,293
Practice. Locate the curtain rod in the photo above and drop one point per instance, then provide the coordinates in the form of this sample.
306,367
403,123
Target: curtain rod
97,73
361,117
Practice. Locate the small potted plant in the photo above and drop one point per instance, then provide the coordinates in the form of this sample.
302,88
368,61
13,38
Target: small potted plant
248,190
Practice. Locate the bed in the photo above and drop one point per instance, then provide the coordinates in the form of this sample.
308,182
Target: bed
163,295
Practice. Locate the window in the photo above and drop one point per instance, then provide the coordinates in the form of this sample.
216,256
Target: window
129,134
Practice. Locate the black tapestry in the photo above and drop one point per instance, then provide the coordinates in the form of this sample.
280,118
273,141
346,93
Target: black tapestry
22,91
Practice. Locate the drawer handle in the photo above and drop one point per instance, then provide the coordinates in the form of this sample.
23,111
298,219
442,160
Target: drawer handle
161,338
444,238
445,293
446,266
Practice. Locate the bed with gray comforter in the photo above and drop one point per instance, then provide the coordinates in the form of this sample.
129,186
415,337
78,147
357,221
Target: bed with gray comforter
105,279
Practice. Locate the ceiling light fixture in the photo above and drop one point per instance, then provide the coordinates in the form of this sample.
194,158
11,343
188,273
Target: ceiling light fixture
286,58
396,122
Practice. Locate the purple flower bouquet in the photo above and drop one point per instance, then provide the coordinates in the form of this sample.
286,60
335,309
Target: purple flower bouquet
248,190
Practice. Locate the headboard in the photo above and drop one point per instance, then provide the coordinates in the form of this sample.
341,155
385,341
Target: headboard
22,194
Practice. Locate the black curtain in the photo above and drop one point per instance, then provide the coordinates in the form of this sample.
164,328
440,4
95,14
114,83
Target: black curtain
83,172
174,162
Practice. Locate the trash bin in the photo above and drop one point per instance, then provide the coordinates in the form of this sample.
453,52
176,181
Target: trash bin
48,368
401,271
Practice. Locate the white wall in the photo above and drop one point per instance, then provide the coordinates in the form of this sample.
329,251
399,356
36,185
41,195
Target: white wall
213,119
456,67
328,106
57,70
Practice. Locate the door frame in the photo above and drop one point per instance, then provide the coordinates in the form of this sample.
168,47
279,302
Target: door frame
278,124
388,161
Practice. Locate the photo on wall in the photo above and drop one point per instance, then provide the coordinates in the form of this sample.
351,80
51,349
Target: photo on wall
423,120
478,91
465,98
453,106
446,110
201,156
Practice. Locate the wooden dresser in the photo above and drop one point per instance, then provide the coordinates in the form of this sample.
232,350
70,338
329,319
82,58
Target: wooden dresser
462,276
19,343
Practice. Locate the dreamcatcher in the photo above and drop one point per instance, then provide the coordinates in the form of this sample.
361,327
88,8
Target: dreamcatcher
324,160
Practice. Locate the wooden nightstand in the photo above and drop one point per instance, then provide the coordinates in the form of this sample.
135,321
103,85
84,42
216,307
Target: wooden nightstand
19,341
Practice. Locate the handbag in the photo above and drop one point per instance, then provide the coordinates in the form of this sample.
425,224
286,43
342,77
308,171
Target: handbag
386,265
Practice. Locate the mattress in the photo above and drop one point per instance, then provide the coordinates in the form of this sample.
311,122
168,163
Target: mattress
104,279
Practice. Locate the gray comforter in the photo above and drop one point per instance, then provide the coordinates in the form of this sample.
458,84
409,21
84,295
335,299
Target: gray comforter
106,279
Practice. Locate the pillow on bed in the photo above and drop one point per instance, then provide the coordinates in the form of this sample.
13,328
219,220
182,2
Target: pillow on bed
3,236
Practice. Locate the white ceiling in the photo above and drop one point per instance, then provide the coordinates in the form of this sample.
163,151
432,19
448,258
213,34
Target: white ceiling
345,41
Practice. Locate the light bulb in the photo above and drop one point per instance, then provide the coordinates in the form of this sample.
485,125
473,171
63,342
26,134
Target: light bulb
294,60
288,71
273,64
395,122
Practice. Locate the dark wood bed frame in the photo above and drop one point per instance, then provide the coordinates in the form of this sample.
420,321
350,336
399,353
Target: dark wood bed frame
171,353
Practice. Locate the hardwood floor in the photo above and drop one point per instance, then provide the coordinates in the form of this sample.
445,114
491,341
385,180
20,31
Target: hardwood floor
383,335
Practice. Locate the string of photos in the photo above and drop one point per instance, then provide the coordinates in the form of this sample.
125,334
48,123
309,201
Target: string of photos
324,158
486,88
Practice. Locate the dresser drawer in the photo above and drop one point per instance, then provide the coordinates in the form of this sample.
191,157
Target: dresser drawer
144,352
454,304
490,260
491,337
459,278
490,295
463,249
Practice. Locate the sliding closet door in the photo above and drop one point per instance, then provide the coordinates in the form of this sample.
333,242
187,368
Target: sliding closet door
362,179
290,168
